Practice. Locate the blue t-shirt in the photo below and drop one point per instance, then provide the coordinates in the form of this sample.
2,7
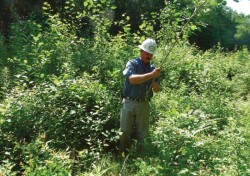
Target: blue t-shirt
141,91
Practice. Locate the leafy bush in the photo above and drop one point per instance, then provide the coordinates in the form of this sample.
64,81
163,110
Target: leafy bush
50,162
36,158
185,148
61,98
66,110
71,113
38,52
4,73
197,121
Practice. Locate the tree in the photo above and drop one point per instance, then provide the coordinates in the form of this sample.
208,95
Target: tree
243,31
135,9
218,27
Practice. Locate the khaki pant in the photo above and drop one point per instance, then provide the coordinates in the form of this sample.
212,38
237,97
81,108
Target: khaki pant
134,116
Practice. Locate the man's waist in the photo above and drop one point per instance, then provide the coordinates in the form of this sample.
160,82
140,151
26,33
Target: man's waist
136,99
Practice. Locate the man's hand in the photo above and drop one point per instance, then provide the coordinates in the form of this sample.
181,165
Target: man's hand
156,72
156,87
141,78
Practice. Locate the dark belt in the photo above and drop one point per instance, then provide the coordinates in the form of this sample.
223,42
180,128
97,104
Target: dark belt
137,99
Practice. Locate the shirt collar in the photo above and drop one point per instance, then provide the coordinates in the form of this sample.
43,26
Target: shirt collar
145,64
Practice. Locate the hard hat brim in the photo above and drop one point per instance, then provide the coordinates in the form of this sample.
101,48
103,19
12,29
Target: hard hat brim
141,47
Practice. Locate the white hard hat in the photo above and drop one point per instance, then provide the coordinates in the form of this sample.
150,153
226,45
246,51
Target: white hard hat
149,45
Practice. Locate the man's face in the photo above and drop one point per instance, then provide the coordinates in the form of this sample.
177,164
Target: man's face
146,57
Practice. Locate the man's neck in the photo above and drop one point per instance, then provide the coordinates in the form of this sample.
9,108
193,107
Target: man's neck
144,62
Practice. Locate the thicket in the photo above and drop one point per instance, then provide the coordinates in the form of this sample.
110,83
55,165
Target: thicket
60,99
219,23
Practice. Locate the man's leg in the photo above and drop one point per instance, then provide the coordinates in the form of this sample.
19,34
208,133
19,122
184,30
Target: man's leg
126,124
142,124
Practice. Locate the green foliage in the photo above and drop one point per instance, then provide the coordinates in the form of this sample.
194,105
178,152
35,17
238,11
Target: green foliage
199,124
70,113
60,95
50,162
40,53
37,158
4,73
191,151
4,82
243,33
65,110
3,50
137,11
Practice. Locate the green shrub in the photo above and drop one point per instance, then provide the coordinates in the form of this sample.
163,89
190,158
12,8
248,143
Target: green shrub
40,159
187,150
61,99
4,73
71,113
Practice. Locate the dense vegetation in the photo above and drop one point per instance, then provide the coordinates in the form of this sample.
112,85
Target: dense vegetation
60,86
215,24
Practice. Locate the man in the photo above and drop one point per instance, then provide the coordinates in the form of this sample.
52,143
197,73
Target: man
139,86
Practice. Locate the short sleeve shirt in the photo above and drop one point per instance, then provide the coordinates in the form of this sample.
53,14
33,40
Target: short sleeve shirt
141,91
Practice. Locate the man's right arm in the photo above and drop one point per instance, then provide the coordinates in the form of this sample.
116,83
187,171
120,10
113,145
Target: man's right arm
141,78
